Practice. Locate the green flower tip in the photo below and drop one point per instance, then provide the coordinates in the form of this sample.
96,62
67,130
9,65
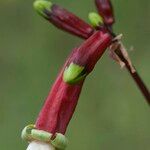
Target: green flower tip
42,5
26,132
74,73
60,142
95,19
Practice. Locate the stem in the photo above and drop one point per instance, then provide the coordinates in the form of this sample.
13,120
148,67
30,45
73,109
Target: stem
136,77
138,80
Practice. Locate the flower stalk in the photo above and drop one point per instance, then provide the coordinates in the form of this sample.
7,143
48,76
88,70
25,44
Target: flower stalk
106,11
134,74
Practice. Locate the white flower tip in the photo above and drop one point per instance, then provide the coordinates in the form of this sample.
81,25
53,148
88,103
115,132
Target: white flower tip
40,146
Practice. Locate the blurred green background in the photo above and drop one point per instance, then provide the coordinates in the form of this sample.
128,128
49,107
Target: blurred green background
111,115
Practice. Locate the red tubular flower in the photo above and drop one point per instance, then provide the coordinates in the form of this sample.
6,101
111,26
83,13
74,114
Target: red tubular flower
62,100
60,104
59,107
63,19
106,11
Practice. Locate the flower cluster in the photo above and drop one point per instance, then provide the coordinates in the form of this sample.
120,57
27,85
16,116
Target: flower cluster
61,102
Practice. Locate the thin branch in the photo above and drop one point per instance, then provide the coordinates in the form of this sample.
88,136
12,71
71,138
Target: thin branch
122,54
144,90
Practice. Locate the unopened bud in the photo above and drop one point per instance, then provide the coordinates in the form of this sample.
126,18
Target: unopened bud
105,9
41,6
95,19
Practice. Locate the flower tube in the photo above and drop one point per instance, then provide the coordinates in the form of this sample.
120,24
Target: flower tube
62,99
63,19
61,102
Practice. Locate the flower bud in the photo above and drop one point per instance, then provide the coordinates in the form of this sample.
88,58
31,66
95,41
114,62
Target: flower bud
95,19
105,9
41,6
63,19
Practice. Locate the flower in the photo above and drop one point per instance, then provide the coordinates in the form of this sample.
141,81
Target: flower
63,97
63,19
106,11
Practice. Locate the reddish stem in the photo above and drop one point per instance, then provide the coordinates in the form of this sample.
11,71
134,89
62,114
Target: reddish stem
106,11
144,90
